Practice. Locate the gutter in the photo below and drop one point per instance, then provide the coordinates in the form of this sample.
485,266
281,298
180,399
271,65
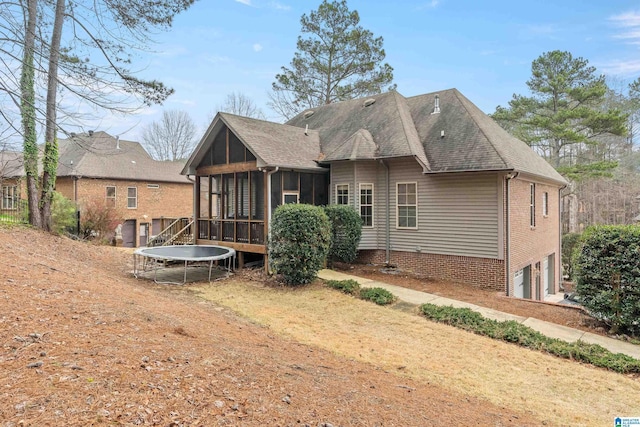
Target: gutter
507,254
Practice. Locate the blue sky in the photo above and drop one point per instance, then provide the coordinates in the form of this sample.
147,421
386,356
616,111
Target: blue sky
483,48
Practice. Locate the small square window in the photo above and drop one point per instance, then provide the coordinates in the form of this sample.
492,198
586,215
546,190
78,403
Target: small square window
342,194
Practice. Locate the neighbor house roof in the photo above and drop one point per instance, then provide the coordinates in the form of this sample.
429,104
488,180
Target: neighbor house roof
11,164
273,144
100,155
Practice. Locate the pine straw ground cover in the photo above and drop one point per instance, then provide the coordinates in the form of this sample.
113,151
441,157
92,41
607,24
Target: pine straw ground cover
84,343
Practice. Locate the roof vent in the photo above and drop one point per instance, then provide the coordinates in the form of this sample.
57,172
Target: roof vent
90,133
306,129
73,135
369,101
308,114
436,106
117,142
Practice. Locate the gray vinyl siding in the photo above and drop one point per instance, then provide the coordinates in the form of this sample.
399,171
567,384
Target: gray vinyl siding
366,172
342,173
458,214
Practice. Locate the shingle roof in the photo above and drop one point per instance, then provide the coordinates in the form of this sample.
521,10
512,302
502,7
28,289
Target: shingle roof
387,120
273,144
11,164
382,126
102,156
472,140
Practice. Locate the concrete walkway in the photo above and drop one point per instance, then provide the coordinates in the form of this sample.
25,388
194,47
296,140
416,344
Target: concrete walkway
549,329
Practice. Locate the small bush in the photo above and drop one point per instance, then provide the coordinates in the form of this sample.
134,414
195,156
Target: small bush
349,286
517,333
97,220
299,242
346,230
378,295
570,242
63,214
608,276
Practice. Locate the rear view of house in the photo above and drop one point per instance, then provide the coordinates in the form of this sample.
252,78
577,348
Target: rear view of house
442,189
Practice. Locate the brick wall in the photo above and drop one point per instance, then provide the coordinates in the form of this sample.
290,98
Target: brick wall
171,200
530,245
479,272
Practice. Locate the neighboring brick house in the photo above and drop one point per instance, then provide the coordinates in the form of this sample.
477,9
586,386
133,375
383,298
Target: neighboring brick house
12,184
442,189
98,168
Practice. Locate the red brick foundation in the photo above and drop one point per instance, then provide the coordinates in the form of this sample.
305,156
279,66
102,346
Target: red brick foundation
483,273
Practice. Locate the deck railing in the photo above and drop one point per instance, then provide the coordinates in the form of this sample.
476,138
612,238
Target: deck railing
232,230
179,232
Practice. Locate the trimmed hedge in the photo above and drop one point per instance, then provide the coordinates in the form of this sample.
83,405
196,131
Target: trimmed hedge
299,242
380,296
517,333
349,286
346,230
608,276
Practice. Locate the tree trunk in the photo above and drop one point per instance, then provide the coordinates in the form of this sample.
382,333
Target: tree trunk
28,113
50,159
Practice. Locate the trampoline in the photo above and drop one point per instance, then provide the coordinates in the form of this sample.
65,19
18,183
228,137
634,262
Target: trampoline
186,253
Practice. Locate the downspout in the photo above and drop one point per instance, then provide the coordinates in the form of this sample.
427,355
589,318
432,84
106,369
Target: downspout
559,257
388,219
507,254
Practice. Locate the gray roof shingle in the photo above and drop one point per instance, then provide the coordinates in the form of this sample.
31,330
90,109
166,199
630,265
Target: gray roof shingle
102,156
11,164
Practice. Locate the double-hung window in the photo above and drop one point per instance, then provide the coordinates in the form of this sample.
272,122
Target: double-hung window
132,197
342,194
366,204
545,204
111,196
407,205
9,197
532,206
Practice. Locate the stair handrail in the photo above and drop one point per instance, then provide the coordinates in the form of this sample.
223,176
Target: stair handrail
166,234
179,234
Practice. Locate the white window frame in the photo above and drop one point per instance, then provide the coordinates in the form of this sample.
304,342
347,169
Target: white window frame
130,198
9,197
398,205
339,198
532,205
153,186
290,193
107,198
545,204
361,205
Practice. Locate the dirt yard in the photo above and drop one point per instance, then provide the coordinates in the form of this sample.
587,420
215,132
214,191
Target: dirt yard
84,343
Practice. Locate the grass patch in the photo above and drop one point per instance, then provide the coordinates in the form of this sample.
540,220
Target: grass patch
378,295
514,332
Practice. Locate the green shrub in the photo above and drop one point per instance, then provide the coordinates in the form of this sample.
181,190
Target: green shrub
346,230
517,333
378,295
349,286
63,214
299,242
570,242
608,276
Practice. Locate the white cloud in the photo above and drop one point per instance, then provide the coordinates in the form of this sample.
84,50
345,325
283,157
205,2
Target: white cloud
628,24
245,2
628,68
257,47
214,59
429,5
279,6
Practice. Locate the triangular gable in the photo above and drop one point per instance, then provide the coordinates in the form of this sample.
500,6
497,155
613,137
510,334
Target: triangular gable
272,144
